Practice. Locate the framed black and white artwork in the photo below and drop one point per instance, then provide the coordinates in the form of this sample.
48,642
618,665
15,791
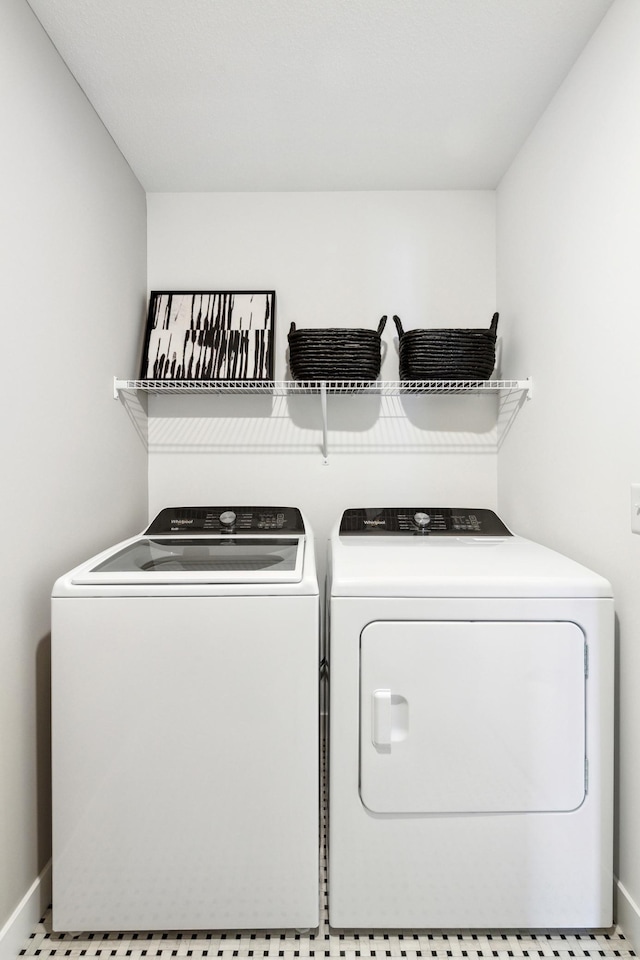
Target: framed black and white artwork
209,335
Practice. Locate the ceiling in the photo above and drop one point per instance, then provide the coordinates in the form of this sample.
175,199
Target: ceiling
208,95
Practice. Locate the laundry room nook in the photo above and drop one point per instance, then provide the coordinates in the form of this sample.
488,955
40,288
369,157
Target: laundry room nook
311,649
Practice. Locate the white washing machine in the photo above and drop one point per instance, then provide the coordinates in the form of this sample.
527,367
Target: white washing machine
471,727
185,727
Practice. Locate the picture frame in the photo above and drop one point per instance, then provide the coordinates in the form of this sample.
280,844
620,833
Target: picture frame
210,335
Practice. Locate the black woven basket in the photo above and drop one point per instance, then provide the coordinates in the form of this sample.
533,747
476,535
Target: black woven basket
447,354
335,353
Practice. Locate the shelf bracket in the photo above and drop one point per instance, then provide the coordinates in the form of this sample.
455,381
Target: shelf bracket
135,403
323,407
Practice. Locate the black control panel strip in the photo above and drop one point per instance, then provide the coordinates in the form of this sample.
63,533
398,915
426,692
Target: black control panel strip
227,519
422,521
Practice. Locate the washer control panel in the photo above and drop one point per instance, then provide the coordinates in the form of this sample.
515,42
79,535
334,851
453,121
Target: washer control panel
225,519
422,521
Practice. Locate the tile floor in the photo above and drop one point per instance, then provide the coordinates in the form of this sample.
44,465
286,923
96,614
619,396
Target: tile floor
326,942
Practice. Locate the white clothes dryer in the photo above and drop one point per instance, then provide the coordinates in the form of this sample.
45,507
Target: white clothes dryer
471,726
185,674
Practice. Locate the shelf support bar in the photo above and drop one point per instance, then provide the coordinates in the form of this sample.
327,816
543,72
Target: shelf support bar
323,407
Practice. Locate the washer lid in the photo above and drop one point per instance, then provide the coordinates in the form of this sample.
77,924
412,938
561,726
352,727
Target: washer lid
200,559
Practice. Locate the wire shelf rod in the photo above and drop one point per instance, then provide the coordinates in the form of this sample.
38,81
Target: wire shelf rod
335,387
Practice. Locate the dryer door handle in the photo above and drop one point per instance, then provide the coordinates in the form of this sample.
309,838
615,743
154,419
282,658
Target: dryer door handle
389,719
381,718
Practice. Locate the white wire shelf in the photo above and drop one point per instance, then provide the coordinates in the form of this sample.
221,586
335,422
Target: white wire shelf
279,388
129,389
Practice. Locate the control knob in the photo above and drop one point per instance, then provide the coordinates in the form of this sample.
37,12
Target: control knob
228,518
421,519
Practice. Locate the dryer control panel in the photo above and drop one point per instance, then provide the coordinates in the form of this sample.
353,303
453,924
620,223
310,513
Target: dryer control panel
422,521
225,519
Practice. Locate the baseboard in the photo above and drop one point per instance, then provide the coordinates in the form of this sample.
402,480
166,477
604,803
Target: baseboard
26,915
627,913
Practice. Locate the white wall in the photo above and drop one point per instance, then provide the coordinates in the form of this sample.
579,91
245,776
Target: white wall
568,225
334,259
73,479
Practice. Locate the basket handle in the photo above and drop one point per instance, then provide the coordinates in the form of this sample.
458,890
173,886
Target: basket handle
382,323
398,323
292,328
494,324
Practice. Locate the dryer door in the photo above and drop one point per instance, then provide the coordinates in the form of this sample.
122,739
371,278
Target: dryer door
472,717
